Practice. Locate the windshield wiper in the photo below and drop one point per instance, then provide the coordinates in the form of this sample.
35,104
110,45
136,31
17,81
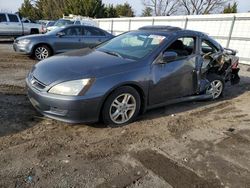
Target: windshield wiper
113,53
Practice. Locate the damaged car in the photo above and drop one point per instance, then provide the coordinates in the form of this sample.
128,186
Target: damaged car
131,73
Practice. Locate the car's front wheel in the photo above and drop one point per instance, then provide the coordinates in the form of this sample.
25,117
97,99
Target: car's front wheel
216,87
121,107
42,52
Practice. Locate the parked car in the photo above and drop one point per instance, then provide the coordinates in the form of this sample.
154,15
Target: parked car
139,70
64,22
11,25
60,40
61,23
50,23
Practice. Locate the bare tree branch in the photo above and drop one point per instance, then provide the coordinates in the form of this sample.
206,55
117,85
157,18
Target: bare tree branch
162,7
202,6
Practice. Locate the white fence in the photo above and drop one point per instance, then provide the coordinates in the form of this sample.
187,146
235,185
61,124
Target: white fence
230,30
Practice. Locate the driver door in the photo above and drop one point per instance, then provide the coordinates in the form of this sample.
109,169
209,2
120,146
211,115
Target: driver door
176,78
70,40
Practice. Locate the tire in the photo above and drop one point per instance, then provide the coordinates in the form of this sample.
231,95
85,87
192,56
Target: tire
217,86
123,104
41,52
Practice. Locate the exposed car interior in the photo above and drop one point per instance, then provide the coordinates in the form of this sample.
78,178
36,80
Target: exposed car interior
183,46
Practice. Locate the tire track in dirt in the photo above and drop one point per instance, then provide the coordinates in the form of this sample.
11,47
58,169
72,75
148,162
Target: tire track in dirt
210,109
7,89
173,173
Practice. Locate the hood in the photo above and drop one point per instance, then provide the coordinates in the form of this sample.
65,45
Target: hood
31,36
84,63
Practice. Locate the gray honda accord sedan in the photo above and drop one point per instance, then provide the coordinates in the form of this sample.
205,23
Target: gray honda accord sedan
60,40
123,77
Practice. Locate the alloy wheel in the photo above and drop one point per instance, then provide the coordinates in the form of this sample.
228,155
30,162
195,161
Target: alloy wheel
122,108
41,53
215,89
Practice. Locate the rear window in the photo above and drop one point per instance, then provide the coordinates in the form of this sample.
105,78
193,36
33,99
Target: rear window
3,18
13,18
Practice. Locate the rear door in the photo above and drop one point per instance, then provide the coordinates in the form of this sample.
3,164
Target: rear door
177,78
3,25
93,36
71,40
14,25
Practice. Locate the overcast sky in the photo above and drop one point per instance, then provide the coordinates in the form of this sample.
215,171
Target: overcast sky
13,5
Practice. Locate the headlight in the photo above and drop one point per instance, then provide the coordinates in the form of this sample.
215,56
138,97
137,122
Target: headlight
23,42
72,88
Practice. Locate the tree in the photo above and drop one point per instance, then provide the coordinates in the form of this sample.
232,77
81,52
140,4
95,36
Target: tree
27,10
93,8
162,7
147,11
231,8
47,9
196,7
54,9
124,10
90,8
110,12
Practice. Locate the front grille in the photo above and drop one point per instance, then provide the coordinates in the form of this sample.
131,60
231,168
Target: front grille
37,84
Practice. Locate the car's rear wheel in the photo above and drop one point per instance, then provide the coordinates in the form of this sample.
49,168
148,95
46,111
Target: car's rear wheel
216,87
121,107
42,52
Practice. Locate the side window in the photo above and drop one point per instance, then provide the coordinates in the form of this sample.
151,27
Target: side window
183,46
13,18
91,31
3,18
208,47
73,31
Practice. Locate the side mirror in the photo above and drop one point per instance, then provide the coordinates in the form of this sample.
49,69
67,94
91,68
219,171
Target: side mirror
60,34
169,56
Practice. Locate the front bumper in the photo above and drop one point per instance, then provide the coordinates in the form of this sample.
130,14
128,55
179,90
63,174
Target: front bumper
71,109
25,49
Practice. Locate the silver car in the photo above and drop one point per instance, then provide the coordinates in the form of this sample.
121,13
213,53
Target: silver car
60,40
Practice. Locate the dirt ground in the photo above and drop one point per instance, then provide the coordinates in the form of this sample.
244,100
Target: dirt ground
196,144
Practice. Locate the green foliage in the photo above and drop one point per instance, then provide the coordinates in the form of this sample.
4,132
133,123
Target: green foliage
27,10
110,12
54,9
231,8
147,11
124,10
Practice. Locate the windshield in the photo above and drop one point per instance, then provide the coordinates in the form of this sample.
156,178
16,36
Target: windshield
132,45
60,23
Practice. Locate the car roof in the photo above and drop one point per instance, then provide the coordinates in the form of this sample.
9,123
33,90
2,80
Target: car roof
160,27
77,25
168,30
